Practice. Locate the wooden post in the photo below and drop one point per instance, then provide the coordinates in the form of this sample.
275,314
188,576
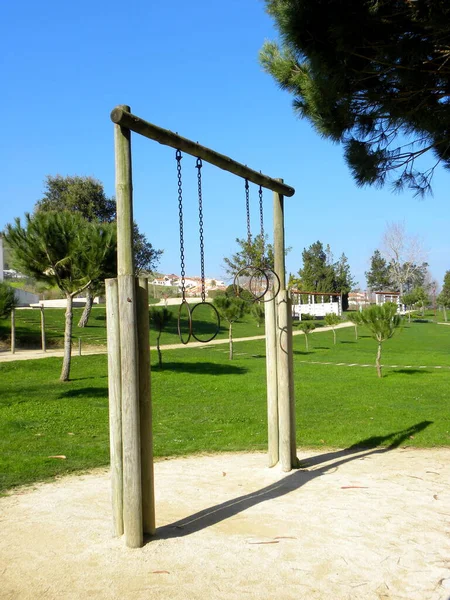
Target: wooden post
292,419
271,374
43,344
132,484
285,381
115,403
284,409
145,404
278,238
13,331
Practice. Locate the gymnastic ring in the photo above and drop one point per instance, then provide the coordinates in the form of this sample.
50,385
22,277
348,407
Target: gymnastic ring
244,271
189,312
272,277
210,339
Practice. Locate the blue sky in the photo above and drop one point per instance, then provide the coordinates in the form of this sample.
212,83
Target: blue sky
192,68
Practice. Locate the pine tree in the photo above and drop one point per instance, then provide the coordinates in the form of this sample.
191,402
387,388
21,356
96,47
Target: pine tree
63,249
378,278
369,74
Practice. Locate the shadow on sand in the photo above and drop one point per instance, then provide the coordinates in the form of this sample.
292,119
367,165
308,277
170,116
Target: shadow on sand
215,514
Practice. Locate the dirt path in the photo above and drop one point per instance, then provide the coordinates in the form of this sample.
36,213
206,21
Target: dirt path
371,525
6,356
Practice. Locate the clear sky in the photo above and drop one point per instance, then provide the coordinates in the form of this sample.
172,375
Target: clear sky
191,67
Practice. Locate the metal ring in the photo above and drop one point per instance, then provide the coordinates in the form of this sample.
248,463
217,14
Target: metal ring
245,271
276,284
189,312
210,339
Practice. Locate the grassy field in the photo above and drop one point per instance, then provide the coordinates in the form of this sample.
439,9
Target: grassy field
204,402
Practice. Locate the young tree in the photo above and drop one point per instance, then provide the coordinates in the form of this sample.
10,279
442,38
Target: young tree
256,252
160,318
444,297
378,276
332,319
369,74
231,309
405,255
63,249
409,299
107,268
382,322
258,313
355,318
422,298
7,300
307,327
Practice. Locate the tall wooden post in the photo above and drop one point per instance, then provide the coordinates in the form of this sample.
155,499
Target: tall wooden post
145,404
43,344
271,374
132,484
286,407
115,403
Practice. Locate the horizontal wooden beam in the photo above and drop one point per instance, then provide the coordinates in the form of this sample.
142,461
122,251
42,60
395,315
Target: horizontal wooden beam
168,138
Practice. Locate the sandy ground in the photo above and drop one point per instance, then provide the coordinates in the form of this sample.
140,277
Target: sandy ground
364,525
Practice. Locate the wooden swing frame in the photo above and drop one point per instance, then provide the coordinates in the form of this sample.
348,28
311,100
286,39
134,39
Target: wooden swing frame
131,437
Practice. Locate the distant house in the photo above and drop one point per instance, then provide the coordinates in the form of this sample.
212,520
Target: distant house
166,281
357,300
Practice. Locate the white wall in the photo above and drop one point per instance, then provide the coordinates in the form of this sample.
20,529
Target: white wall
25,298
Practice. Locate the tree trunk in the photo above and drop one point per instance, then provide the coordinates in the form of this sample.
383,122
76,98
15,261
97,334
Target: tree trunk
409,315
445,314
306,342
230,337
334,336
67,340
87,309
378,360
356,332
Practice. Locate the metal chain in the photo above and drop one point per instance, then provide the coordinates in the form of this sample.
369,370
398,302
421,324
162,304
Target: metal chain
180,214
261,219
198,166
247,206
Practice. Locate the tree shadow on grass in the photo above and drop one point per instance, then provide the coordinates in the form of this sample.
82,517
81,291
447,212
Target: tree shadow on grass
86,392
303,352
408,372
347,341
215,514
321,347
200,368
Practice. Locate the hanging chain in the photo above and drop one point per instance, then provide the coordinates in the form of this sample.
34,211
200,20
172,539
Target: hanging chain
180,214
247,206
198,166
261,219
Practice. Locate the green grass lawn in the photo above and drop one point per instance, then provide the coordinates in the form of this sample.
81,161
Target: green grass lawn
28,334
204,402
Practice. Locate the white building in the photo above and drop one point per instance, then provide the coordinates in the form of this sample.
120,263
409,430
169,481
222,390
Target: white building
1,258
